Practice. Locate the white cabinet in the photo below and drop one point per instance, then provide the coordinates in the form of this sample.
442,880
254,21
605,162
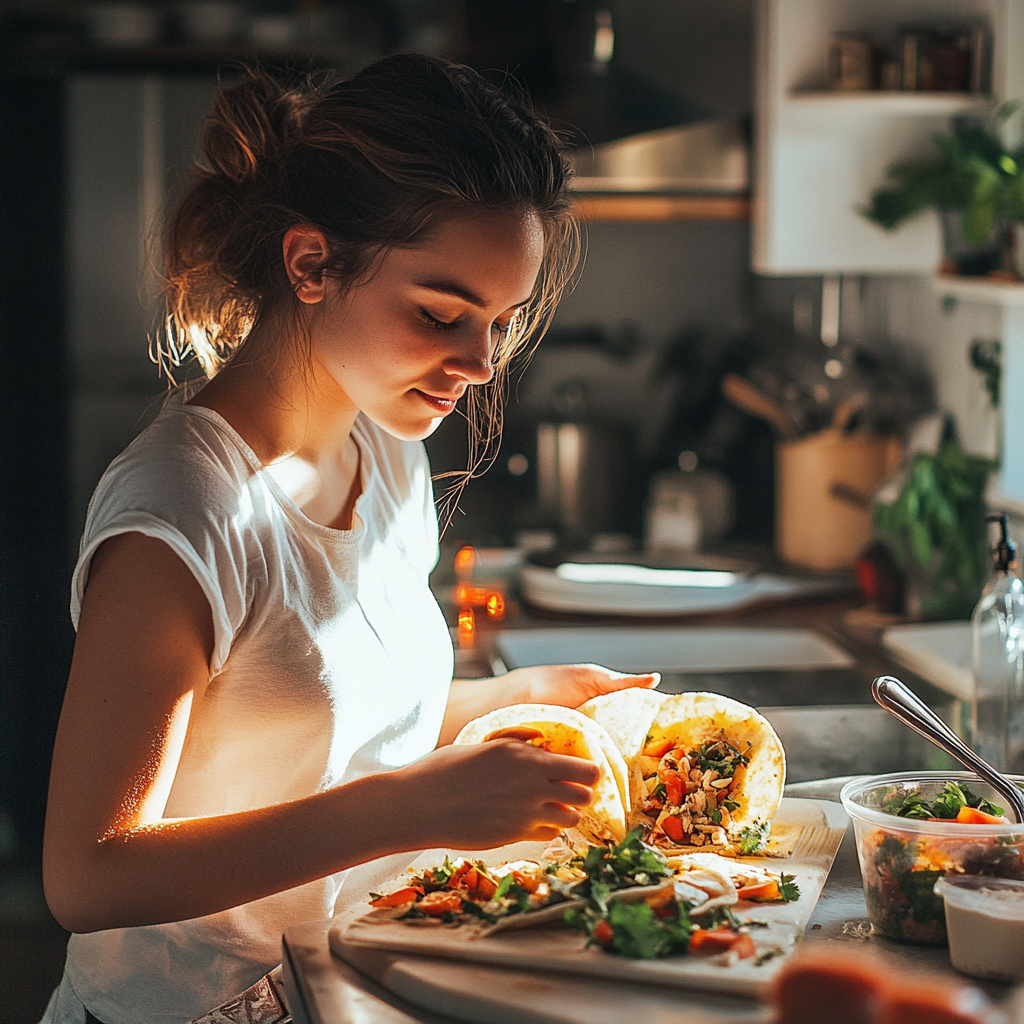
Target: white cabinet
819,155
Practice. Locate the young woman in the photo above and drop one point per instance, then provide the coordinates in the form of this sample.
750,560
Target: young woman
261,694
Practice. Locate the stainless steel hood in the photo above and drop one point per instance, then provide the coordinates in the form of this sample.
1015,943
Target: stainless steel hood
707,157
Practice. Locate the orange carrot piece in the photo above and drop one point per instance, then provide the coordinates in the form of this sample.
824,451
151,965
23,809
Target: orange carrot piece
972,816
434,904
658,748
397,899
765,892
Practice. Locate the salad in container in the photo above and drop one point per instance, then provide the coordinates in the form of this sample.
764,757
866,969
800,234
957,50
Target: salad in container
913,828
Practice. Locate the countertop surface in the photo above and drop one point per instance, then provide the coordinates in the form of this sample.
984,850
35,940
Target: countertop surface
325,990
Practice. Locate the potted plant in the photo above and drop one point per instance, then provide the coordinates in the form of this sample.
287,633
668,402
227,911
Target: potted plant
936,531
976,184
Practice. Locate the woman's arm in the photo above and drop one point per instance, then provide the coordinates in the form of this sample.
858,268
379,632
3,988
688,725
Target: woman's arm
141,660
568,686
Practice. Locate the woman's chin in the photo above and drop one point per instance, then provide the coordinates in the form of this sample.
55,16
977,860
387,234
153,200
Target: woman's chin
409,430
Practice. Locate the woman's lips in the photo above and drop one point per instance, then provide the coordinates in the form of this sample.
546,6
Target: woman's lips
443,405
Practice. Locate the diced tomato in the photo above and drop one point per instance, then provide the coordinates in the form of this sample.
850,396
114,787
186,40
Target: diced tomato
972,816
437,903
675,786
721,940
528,882
397,899
765,892
673,828
457,878
485,888
603,933
658,748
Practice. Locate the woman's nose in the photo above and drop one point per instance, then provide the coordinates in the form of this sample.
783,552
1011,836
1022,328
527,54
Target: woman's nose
472,360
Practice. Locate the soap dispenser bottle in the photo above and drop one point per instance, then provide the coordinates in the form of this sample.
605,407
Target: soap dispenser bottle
997,641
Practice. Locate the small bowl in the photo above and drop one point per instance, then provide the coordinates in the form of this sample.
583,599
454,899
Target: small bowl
901,859
985,925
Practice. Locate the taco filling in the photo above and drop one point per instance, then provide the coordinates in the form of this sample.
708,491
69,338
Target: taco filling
690,790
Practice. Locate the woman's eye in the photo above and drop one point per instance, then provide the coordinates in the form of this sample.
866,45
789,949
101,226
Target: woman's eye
441,325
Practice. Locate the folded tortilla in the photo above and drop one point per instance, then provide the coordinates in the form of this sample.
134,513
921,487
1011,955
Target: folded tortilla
626,716
565,731
643,719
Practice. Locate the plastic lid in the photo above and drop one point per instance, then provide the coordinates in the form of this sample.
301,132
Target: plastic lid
995,897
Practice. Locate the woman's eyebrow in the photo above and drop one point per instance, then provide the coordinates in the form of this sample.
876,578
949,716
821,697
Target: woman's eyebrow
461,292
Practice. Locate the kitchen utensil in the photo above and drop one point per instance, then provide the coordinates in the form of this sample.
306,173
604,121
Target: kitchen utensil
898,700
750,399
846,411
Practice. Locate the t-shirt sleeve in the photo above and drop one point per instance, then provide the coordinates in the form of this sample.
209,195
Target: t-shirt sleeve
185,499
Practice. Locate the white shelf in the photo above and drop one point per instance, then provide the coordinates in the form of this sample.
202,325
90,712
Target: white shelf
877,103
981,290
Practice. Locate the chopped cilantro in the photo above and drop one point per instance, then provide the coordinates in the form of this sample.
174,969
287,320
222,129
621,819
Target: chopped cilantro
946,805
754,838
506,883
636,931
629,863
789,891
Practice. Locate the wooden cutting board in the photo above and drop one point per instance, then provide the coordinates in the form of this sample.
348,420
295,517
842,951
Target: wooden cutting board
813,830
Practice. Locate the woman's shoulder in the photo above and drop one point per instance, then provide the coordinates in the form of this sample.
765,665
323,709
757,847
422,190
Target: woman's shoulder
188,457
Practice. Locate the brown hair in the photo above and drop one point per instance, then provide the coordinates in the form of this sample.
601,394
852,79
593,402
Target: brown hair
374,161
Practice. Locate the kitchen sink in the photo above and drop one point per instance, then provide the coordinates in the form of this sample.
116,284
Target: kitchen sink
685,650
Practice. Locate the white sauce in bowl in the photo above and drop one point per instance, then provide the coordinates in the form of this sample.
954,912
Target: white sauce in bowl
985,925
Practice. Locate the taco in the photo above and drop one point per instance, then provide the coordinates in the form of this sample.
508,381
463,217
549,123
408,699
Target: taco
713,772
565,731
705,771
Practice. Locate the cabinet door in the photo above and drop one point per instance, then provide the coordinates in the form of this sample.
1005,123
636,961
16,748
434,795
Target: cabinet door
819,155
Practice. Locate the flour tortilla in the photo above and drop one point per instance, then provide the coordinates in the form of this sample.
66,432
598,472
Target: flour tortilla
565,731
691,719
626,716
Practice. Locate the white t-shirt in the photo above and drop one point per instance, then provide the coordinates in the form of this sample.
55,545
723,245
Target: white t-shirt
331,660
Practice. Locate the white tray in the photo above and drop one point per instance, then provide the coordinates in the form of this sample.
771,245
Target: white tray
558,950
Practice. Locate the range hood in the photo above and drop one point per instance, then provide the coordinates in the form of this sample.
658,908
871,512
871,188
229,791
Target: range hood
704,158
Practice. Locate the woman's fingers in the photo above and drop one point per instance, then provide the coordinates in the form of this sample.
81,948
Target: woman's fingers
572,795
565,768
559,815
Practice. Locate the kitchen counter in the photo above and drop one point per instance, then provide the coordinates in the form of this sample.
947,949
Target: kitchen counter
324,990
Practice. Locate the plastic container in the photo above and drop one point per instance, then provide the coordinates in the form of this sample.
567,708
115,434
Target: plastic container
901,859
985,925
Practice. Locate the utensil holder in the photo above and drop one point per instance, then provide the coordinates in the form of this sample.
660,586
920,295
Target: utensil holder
823,487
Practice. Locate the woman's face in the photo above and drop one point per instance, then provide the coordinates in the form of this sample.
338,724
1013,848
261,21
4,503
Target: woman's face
404,346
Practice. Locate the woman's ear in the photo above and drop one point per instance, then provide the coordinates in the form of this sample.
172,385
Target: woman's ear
304,249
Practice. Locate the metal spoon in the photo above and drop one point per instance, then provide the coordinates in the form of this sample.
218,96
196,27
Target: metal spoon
898,700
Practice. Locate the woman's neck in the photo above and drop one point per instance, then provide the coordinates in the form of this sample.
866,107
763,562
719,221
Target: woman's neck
299,426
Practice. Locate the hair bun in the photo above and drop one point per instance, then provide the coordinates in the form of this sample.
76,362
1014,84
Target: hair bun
251,124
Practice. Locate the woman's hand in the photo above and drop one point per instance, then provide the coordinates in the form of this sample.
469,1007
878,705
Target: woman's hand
485,795
569,685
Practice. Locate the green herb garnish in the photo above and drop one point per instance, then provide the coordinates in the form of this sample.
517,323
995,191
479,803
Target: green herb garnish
789,891
946,805
754,838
